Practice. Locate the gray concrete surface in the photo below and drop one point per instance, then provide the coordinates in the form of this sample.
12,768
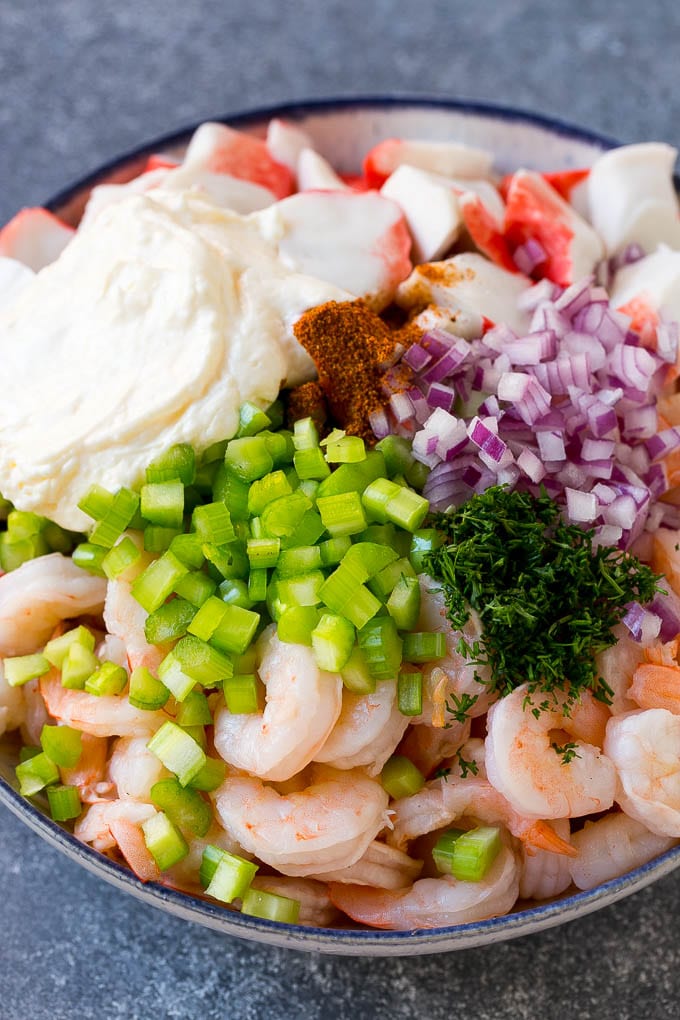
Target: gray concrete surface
79,82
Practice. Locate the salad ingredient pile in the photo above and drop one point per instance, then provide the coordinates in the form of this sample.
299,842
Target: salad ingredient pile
340,545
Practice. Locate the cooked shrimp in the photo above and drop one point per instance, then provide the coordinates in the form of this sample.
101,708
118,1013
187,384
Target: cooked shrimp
433,902
525,766
94,826
326,827
644,746
656,687
428,746
367,731
35,713
616,665
381,866
40,593
12,705
124,619
443,801
460,674
546,874
89,773
133,769
105,716
302,706
612,846
316,908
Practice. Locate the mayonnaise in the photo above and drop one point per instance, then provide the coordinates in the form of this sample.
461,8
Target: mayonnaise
152,328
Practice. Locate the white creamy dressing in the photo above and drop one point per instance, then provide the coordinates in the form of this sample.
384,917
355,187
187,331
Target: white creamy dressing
152,328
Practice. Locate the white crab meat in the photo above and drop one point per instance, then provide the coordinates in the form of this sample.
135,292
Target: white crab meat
13,276
219,149
285,142
314,173
451,159
357,241
632,198
430,207
472,289
648,288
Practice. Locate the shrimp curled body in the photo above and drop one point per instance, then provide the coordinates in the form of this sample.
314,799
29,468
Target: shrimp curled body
302,706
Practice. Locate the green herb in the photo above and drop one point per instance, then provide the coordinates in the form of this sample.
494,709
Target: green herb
568,751
548,597
459,707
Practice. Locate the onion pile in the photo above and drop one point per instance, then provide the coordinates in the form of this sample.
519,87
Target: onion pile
570,407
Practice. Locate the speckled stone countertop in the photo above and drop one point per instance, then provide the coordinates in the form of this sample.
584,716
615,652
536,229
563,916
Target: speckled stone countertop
81,82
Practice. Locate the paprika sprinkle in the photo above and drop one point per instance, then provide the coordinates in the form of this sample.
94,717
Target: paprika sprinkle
352,348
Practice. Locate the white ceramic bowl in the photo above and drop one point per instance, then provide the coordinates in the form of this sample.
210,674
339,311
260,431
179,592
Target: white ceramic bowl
343,130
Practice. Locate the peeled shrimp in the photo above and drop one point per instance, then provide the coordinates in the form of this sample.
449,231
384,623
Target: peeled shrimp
433,902
382,866
454,675
89,773
40,593
644,748
612,846
327,826
428,746
531,774
546,874
133,769
316,908
35,713
616,665
443,801
105,716
302,706
124,619
94,826
367,731
656,686
12,705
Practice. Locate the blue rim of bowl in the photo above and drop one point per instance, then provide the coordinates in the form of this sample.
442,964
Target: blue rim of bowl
335,940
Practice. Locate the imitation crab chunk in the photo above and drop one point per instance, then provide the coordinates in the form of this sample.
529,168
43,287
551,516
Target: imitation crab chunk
536,211
363,246
649,289
632,198
451,159
34,237
314,173
219,149
430,208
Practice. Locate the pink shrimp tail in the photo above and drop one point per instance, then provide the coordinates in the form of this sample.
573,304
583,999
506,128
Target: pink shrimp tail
542,836
130,840
369,906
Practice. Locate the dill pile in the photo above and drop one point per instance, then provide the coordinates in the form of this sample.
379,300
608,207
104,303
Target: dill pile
548,597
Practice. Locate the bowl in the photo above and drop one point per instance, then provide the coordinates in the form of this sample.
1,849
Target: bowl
343,130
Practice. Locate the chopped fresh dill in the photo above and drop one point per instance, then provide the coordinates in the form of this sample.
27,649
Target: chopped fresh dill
568,751
442,774
466,767
459,707
547,596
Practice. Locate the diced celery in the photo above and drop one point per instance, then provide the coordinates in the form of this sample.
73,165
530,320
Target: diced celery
78,665
196,587
242,694
383,583
410,693
234,591
64,802
177,751
121,558
96,502
342,514
194,711
355,674
333,550
213,524
283,516
271,906
235,630
157,538
146,692
178,462
251,419
400,777
265,490
305,434
108,679
403,605
442,851
381,647
354,477
188,549
257,585
372,557
35,774
152,587
296,623
263,552
397,453
474,852
279,446
424,646
332,641
19,669
301,560
198,659
210,776
86,556
230,877
309,530
162,503
311,464
248,457
116,519
345,450
174,677
303,590
231,490
228,560
407,509
377,496
62,744
423,542
164,841
184,807
169,622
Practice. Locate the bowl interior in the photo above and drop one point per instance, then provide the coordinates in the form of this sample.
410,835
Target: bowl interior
343,131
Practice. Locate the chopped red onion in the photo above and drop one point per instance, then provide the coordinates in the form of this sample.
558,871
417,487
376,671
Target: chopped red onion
531,465
643,625
575,297
402,407
529,255
543,291
380,423
666,605
437,342
448,363
582,507
439,395
663,443
551,446
667,340
531,400
416,357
